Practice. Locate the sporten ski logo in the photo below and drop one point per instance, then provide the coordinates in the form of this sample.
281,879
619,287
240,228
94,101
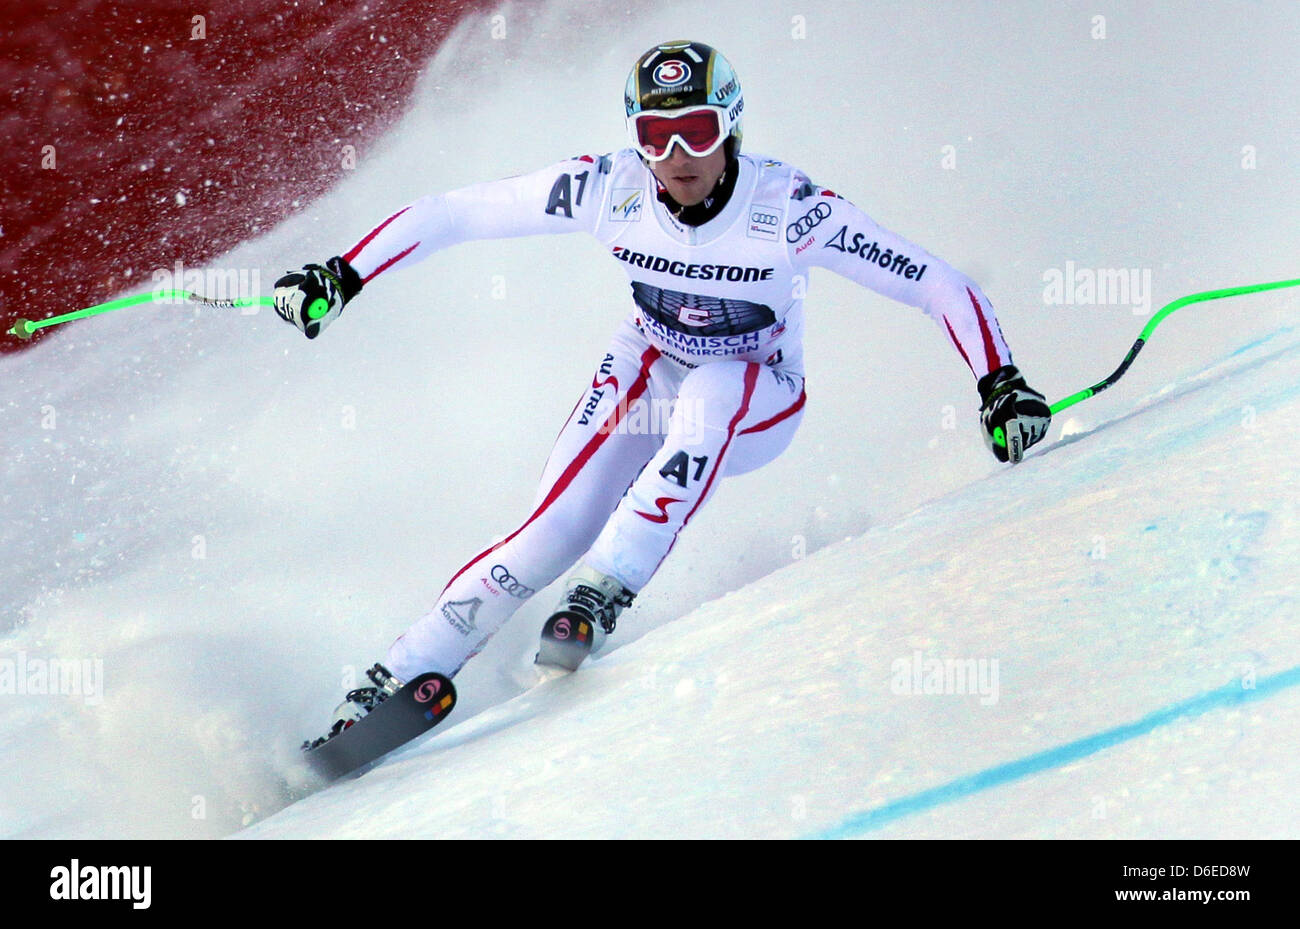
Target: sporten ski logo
427,691
733,273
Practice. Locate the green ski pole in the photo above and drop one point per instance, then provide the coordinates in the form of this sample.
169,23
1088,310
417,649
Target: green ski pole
1151,327
1145,336
23,328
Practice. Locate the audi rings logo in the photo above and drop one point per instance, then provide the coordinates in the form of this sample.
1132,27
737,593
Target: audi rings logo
507,582
672,73
807,223
427,691
762,218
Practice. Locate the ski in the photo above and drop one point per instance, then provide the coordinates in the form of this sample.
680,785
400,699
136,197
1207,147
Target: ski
415,709
566,640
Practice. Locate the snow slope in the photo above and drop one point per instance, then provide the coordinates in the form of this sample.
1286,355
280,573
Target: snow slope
234,521
1151,559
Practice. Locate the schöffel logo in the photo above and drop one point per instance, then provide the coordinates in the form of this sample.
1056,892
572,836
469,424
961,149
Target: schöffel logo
625,205
671,73
898,264
734,273
807,223
460,614
764,223
507,582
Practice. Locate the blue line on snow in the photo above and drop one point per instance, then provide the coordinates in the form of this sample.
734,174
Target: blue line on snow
1260,341
1228,695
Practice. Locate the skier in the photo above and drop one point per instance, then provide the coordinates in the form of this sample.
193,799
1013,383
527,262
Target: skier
717,244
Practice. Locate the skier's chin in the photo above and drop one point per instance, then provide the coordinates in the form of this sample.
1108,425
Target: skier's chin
684,194
689,190
689,179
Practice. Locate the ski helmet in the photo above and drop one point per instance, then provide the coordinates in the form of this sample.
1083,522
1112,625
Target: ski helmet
681,75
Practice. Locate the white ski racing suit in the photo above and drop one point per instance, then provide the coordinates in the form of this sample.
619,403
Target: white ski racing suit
714,332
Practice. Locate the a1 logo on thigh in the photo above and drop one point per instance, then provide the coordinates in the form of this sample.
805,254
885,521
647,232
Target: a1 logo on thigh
678,468
682,469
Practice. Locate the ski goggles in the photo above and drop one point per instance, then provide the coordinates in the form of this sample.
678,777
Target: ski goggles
698,129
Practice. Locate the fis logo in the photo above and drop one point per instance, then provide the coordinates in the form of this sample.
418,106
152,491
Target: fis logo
625,205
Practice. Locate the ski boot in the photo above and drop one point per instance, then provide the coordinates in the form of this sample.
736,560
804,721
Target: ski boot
361,701
584,616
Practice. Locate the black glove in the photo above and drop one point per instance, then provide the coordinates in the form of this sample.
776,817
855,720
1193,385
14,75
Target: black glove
313,298
1014,415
